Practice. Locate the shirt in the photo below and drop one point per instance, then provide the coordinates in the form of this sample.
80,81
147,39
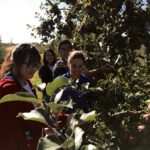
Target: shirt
60,68
78,95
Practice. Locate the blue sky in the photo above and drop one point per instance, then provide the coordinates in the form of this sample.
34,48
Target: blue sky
14,15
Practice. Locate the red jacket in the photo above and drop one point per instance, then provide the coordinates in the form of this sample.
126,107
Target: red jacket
16,133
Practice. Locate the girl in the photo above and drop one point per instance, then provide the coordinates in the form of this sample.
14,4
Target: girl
46,70
75,63
19,66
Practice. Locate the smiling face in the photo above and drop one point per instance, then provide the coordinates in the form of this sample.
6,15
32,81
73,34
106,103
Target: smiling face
75,67
64,51
49,58
25,62
27,69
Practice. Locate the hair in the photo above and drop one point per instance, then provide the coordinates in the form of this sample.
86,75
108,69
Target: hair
63,41
76,55
17,57
44,56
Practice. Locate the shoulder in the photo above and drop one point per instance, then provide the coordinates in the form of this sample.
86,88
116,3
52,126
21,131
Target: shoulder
63,75
8,86
7,82
84,78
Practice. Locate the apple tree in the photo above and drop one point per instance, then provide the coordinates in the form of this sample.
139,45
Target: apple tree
114,32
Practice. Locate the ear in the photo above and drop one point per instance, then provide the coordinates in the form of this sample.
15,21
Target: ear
58,52
68,64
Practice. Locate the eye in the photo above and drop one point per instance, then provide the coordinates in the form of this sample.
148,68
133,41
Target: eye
74,65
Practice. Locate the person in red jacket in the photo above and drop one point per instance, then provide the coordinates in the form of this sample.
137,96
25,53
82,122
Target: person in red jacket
18,67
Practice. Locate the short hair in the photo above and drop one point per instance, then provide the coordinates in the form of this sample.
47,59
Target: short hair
76,55
44,56
64,41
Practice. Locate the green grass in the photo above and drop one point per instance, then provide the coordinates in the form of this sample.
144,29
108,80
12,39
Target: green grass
37,80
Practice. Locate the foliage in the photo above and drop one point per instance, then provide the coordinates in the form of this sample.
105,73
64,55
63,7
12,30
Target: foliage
112,32
68,136
2,52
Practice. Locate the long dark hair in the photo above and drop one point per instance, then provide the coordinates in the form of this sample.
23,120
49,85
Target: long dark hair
17,57
44,56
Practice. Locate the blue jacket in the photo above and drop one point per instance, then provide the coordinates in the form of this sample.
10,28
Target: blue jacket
77,95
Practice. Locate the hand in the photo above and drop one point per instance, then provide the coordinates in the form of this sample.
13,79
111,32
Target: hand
146,118
48,131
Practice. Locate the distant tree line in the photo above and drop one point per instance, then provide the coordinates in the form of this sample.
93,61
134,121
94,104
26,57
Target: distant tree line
2,51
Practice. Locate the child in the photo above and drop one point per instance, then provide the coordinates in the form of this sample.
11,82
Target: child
19,66
75,63
46,70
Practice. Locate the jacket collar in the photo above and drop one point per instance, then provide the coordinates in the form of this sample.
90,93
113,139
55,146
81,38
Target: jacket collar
9,75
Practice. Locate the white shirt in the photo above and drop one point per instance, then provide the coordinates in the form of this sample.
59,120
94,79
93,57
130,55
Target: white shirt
28,88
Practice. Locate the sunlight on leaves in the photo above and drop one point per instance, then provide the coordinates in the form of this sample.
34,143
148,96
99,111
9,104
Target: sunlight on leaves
57,108
47,144
20,96
85,85
38,115
58,96
78,137
89,147
40,87
68,144
57,83
88,116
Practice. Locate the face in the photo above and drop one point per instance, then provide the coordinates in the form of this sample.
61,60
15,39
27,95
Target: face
75,67
27,70
64,51
49,57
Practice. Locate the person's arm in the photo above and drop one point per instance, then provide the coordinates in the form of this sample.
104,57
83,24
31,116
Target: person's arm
104,69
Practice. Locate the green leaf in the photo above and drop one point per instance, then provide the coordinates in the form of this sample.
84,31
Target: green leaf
39,115
120,70
78,137
96,89
68,144
58,96
85,85
89,147
88,116
57,83
48,144
20,96
148,101
73,123
57,108
40,87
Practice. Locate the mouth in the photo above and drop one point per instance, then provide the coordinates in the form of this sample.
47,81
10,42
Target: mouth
76,75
